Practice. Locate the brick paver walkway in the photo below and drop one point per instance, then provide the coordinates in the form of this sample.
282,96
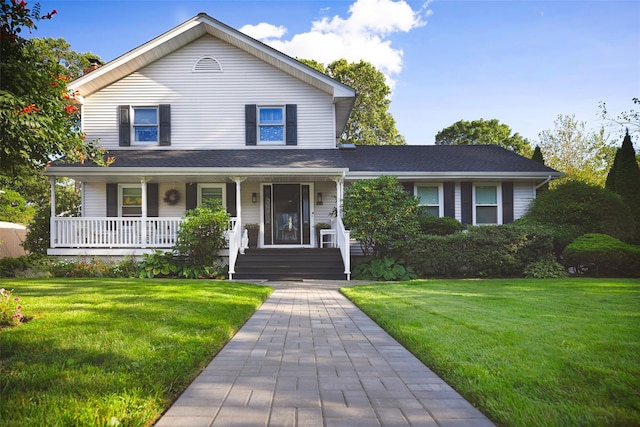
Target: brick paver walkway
308,357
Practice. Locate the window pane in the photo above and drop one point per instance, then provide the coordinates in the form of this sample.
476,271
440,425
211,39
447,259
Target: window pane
428,195
486,215
207,193
131,197
145,116
271,116
433,210
486,195
146,134
271,133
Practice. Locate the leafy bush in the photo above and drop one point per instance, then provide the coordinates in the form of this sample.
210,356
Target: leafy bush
438,226
201,235
576,208
167,264
32,265
379,213
545,269
386,268
497,251
600,255
10,309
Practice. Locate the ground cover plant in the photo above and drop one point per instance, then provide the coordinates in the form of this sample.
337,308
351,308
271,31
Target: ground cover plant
112,351
554,352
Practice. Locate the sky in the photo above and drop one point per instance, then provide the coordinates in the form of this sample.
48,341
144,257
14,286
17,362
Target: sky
520,62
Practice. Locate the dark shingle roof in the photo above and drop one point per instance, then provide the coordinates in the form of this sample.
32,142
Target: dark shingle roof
438,158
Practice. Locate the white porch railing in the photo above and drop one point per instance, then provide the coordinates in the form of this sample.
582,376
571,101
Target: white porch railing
343,241
234,236
116,232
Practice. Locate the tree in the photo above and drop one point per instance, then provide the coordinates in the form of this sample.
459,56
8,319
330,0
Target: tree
370,122
13,207
626,119
483,132
38,115
538,157
380,214
580,154
624,179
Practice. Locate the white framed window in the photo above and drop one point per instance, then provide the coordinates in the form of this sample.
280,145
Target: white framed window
487,202
212,191
130,200
431,197
145,125
271,125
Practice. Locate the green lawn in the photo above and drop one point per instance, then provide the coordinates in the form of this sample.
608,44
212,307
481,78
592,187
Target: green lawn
526,352
112,351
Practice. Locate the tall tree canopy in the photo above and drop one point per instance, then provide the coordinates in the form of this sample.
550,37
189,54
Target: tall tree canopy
370,122
582,155
483,132
624,179
38,114
627,119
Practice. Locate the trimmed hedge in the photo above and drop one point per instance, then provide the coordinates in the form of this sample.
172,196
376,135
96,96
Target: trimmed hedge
496,251
600,255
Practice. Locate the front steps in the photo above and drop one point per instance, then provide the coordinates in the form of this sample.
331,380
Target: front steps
290,264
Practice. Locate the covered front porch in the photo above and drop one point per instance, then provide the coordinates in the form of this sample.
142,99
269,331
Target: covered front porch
284,207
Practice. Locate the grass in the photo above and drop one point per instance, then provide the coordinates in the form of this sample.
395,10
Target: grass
103,352
525,352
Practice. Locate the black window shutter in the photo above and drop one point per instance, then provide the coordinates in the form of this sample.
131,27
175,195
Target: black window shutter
112,199
165,124
507,202
408,187
231,199
152,199
191,195
449,190
251,124
125,125
292,124
466,189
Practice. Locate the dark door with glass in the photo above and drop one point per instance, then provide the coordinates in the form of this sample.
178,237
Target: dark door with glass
286,214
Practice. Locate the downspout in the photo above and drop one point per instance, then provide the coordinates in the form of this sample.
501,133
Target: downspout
546,181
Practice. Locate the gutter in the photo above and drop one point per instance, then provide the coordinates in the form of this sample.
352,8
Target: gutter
546,181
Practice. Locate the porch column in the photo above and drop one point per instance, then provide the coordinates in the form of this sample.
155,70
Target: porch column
52,220
143,224
339,194
238,180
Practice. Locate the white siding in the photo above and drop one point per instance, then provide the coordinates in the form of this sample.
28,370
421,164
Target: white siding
458,202
523,194
207,109
95,199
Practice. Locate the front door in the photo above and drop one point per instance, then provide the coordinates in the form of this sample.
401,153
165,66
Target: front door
286,214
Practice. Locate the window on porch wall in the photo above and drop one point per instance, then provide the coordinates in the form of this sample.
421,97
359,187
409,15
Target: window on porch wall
131,201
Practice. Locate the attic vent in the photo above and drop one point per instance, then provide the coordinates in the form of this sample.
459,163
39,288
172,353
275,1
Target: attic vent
207,64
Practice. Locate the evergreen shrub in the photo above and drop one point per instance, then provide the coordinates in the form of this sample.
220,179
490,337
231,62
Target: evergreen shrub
600,255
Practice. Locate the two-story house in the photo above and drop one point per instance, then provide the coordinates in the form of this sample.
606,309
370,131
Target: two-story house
204,111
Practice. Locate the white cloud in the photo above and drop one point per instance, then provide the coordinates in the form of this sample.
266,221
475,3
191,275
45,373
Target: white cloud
264,31
363,35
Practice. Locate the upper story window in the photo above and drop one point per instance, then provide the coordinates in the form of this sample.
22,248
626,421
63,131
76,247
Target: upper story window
486,204
145,125
430,197
271,125
130,200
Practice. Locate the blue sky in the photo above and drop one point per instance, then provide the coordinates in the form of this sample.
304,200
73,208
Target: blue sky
521,62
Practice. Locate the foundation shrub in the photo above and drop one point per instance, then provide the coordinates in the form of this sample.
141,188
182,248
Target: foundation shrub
495,251
438,226
600,255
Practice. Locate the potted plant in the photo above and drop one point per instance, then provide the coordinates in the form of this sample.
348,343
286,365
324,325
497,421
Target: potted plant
321,226
253,230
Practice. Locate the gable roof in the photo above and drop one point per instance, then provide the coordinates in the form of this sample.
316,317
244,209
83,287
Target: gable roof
443,161
193,29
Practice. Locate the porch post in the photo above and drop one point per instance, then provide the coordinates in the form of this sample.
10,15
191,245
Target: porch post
339,194
238,180
52,220
143,224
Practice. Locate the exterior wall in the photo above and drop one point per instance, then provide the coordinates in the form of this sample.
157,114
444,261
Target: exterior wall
523,194
207,108
95,199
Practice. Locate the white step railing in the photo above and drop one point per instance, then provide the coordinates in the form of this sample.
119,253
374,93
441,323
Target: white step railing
343,240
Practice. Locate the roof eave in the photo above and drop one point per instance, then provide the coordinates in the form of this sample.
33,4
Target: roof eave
453,175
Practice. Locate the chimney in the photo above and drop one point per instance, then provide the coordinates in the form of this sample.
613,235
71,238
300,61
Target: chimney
94,64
